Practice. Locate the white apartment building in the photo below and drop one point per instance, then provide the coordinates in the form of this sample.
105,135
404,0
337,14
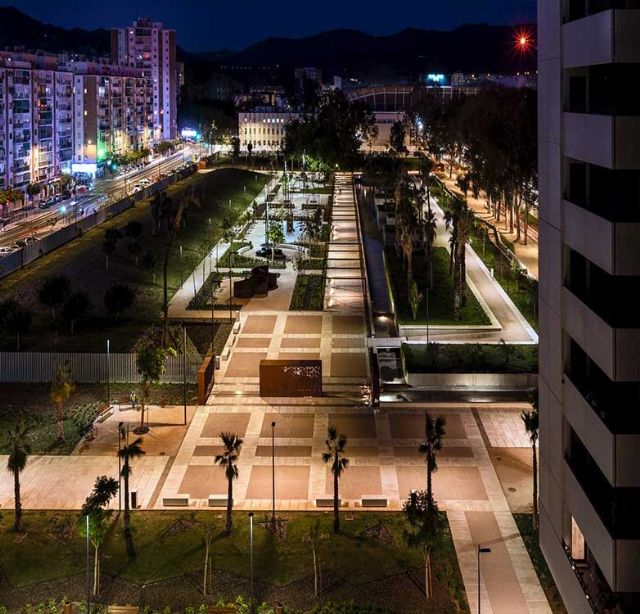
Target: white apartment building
148,46
264,128
589,183
61,116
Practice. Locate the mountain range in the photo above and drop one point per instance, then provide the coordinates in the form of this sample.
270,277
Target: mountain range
349,53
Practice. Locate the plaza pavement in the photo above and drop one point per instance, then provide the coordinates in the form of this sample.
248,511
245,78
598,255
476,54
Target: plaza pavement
382,447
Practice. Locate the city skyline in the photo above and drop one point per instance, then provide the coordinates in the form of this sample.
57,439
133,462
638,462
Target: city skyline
201,27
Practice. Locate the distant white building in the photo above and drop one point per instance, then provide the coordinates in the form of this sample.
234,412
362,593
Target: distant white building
264,128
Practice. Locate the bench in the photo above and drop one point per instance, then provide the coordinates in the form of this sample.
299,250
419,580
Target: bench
225,353
105,411
236,328
218,501
327,502
374,502
123,609
177,501
221,609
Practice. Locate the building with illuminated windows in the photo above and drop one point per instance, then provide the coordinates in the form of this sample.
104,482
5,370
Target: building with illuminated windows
148,46
58,115
264,128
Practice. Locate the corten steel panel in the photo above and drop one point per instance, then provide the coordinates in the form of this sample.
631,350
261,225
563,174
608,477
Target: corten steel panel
290,378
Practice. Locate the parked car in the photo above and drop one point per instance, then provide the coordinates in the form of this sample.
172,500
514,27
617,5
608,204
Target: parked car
48,203
5,251
265,252
66,195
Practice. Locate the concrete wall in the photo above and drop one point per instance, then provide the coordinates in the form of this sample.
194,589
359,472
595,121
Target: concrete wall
474,381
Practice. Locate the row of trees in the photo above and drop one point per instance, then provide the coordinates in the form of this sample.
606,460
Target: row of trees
493,136
332,136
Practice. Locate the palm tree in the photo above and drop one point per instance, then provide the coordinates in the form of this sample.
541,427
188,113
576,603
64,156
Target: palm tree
459,219
61,389
429,228
432,444
531,421
335,455
229,461
127,454
19,451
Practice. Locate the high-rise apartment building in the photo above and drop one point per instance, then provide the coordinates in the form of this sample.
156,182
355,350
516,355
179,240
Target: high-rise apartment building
60,115
589,167
148,46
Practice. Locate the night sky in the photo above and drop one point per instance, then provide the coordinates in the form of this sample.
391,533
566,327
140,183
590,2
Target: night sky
206,25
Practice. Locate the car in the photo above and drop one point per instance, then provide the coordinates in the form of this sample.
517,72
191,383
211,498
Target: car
48,203
145,183
5,251
19,244
265,252
66,195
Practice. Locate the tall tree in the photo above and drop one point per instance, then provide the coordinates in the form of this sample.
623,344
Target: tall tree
151,365
117,299
432,444
53,292
397,137
228,460
19,450
459,219
75,307
15,318
425,530
94,520
61,389
335,457
128,453
531,423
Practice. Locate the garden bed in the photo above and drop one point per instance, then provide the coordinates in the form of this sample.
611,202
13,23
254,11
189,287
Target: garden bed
470,358
308,293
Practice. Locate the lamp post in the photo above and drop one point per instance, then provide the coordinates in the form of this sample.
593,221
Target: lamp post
251,556
108,373
273,473
480,551
184,370
88,574
120,434
181,279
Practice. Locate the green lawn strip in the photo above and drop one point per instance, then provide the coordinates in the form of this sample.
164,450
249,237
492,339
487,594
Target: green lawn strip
83,261
311,264
308,293
471,358
440,299
31,403
522,290
530,539
170,544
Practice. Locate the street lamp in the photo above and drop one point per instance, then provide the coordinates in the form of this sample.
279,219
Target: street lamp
120,437
181,279
88,574
108,373
251,555
273,473
480,551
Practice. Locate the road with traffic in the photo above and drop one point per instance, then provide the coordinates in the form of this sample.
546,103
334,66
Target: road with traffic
38,223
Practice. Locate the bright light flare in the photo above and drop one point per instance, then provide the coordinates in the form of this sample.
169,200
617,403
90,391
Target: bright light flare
523,41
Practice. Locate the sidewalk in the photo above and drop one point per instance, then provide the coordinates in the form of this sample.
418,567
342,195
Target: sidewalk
526,254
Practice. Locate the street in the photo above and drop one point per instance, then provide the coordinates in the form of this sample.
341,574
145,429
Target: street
39,223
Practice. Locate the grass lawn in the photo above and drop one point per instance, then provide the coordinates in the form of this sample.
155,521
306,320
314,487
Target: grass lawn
308,293
440,299
83,262
530,538
471,358
369,550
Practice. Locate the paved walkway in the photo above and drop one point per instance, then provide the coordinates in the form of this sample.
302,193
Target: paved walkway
507,321
526,254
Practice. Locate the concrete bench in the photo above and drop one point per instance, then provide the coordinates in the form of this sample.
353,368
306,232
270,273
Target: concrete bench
123,609
218,501
225,353
374,502
327,502
177,501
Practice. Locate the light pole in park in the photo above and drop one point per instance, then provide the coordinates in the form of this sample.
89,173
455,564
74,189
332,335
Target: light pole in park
480,551
251,556
273,473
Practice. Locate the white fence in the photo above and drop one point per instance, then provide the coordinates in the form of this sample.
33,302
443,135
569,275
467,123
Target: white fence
88,368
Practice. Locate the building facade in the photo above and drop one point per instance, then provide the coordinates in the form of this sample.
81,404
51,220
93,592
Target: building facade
264,128
148,46
58,116
589,183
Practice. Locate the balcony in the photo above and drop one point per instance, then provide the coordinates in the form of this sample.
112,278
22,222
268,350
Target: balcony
579,9
604,140
614,247
615,350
